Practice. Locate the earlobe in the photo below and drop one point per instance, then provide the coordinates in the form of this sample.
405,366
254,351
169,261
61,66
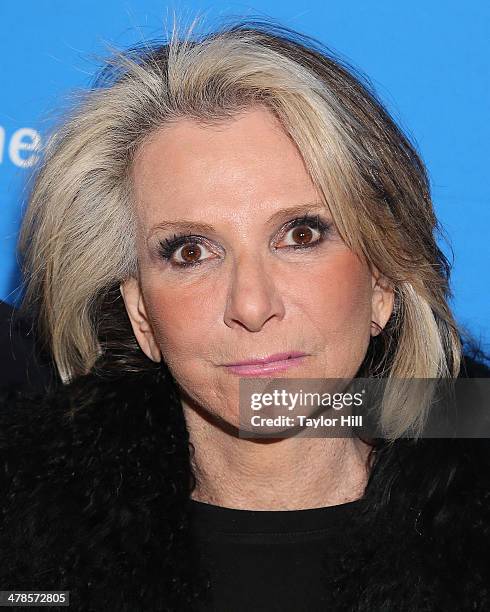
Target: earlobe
135,307
383,299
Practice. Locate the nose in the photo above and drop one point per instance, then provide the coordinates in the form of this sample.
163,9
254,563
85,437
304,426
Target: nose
253,297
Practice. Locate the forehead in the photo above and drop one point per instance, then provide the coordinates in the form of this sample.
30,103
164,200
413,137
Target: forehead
236,168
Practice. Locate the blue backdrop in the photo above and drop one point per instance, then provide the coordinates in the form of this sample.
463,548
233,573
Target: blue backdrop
428,61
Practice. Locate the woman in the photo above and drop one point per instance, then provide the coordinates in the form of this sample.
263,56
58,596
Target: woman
238,205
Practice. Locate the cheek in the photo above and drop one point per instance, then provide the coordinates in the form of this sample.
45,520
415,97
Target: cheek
183,319
338,300
180,317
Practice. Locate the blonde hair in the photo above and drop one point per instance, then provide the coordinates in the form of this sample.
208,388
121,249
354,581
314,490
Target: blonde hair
77,238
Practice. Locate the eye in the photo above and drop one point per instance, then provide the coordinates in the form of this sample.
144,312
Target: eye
305,232
190,253
301,235
184,251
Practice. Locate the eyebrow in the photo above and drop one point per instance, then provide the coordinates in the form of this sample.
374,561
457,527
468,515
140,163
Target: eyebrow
184,225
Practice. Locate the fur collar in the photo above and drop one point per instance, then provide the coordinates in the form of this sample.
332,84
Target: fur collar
94,499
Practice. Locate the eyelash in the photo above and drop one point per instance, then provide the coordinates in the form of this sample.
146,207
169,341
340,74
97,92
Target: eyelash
168,246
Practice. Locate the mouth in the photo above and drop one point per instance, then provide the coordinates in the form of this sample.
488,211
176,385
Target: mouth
263,366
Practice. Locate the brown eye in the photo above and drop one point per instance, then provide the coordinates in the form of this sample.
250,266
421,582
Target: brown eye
190,253
302,234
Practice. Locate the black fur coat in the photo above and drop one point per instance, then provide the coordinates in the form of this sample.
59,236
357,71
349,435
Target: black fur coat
94,498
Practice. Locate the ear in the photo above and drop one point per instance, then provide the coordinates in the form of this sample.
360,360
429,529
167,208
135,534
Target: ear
135,307
383,299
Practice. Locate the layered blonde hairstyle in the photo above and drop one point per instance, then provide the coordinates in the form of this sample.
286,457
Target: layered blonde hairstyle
78,235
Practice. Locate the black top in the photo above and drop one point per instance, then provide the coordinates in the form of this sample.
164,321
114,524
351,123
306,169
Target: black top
22,364
269,560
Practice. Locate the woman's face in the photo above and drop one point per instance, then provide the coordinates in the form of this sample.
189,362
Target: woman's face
239,260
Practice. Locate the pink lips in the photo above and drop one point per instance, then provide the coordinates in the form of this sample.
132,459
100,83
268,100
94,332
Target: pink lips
267,365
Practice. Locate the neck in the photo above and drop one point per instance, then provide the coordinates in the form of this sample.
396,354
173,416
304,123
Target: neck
284,474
